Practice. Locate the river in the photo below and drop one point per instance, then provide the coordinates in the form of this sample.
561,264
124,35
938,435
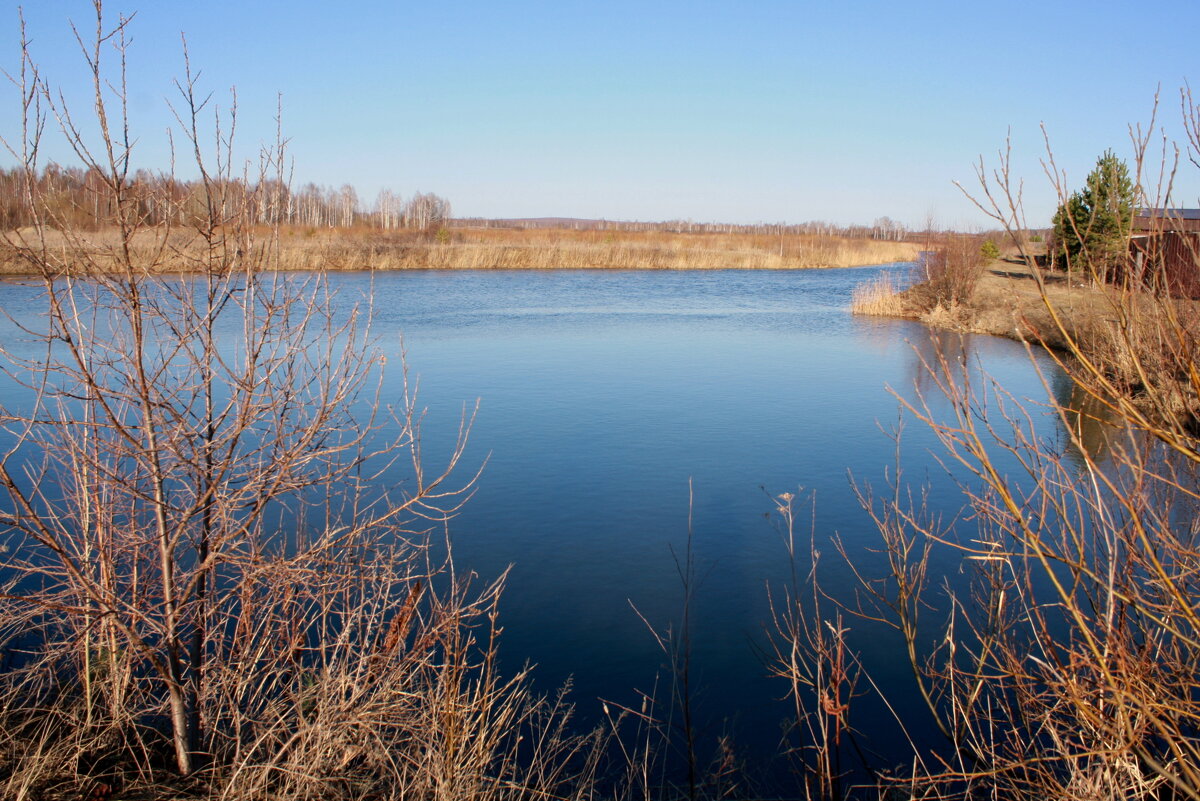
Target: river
627,420
619,411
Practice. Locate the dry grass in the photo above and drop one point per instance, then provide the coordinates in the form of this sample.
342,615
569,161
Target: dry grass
508,249
950,275
401,698
880,297
1141,340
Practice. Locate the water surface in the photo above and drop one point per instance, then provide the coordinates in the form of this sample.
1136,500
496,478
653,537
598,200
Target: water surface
623,415
607,400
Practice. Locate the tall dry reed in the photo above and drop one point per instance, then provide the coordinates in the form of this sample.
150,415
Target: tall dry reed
500,249
880,296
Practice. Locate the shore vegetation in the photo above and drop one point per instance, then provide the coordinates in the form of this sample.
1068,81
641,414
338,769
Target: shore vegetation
455,247
208,588
1069,669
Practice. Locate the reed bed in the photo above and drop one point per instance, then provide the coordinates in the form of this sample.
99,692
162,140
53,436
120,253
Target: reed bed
879,297
498,249
493,249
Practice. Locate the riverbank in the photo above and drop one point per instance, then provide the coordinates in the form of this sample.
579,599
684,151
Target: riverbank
1133,344
487,249
1007,301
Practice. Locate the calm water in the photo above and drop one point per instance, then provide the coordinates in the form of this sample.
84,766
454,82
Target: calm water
607,399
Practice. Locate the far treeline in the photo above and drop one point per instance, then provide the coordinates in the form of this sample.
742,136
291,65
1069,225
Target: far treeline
322,228
78,198
884,229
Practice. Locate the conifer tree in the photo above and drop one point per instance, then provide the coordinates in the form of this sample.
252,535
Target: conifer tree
1092,227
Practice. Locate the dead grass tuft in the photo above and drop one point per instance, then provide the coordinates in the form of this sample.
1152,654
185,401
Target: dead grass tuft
880,297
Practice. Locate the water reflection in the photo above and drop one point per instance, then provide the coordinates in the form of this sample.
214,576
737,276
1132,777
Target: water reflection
1093,428
941,361
947,365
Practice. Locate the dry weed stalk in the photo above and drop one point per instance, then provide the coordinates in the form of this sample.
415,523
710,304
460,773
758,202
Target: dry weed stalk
809,652
667,733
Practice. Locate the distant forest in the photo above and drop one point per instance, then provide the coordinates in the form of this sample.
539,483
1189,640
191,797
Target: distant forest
79,198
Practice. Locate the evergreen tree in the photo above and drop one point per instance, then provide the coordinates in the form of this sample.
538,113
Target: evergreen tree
1091,229
1070,224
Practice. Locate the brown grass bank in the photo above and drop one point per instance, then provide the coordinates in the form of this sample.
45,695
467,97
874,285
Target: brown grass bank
1010,300
498,249
1006,301
1139,340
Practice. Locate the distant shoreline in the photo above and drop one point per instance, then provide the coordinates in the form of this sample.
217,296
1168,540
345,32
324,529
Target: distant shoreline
344,250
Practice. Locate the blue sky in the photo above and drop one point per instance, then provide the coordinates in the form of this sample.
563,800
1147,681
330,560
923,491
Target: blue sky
764,111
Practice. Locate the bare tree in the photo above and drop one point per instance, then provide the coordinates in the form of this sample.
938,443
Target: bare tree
191,492
426,210
347,205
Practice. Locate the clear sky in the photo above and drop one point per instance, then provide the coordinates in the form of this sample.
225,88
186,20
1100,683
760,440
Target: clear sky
741,112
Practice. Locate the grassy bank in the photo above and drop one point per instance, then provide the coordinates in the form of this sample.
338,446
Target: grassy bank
487,249
1007,301
1137,340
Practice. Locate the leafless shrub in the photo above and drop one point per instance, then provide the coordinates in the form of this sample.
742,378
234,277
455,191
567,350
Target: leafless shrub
208,581
1068,668
951,272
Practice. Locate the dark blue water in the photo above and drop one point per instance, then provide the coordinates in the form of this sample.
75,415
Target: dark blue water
615,407
607,399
